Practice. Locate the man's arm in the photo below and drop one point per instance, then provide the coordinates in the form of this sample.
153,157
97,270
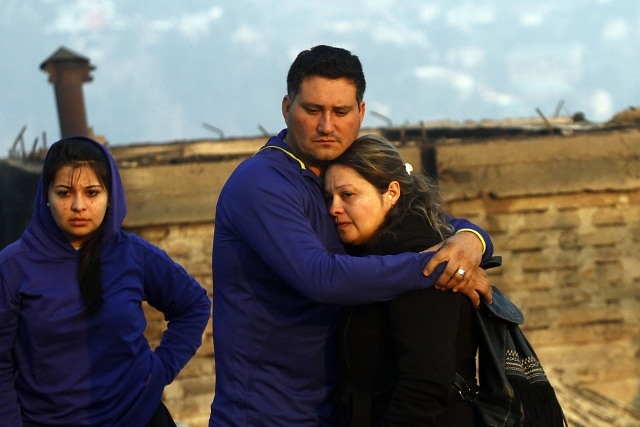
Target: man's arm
268,210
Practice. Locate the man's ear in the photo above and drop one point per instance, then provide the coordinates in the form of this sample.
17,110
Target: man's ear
362,110
286,105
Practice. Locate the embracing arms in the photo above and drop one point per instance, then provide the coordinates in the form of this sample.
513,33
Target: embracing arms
283,227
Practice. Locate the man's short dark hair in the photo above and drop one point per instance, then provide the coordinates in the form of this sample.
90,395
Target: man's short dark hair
329,62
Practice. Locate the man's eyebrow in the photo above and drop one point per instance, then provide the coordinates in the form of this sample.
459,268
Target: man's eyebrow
322,107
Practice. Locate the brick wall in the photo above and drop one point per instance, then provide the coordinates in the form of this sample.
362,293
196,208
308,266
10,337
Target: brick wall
563,211
189,396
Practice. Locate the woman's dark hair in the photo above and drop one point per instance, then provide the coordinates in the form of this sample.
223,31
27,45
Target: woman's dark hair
329,62
80,153
379,162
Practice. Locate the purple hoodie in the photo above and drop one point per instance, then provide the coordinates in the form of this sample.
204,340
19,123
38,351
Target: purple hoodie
61,371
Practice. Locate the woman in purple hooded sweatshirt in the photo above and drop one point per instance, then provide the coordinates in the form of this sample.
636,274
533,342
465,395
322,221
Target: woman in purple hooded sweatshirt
72,345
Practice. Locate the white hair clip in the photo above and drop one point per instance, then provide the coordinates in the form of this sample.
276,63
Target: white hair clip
408,167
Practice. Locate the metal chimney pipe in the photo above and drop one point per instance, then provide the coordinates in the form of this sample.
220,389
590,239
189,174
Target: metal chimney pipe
68,71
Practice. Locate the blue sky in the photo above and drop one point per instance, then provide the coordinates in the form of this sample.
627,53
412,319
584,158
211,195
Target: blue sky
163,68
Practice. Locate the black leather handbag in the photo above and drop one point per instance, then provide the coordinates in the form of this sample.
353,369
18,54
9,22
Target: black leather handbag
514,390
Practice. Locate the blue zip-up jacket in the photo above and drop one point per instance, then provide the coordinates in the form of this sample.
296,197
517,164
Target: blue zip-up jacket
280,279
58,370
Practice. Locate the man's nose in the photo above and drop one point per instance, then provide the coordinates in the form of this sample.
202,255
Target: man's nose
326,125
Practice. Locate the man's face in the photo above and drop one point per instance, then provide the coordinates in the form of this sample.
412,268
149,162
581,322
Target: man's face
323,120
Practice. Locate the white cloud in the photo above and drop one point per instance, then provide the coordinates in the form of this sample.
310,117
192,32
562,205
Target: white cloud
602,103
190,25
245,34
491,96
86,26
376,6
194,25
429,12
398,35
531,19
82,16
615,30
465,84
347,26
531,15
430,72
251,38
461,81
465,17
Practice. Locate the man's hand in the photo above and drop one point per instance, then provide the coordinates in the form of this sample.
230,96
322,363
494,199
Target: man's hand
477,287
463,253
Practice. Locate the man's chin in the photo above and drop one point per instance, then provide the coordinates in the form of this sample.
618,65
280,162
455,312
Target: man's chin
329,154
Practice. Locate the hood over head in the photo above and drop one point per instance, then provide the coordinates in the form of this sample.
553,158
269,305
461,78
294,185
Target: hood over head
43,229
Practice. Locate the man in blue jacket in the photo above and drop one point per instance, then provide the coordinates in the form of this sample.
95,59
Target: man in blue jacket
279,269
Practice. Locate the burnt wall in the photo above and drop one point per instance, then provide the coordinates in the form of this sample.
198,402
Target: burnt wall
564,212
18,187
